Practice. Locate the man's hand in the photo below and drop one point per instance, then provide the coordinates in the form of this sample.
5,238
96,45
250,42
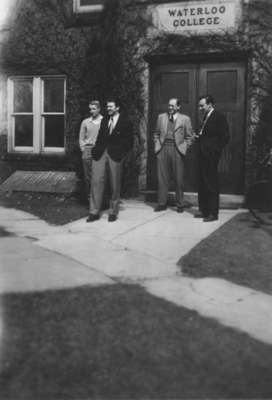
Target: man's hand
196,136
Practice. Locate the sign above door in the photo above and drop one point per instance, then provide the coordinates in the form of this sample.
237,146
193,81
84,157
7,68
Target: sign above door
198,17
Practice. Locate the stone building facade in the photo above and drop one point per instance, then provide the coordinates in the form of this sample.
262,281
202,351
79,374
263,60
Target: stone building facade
58,54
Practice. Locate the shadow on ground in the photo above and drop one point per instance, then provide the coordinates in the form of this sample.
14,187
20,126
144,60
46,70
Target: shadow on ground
4,233
119,342
240,251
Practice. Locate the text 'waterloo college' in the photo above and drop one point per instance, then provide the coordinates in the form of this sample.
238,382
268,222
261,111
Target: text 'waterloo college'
194,16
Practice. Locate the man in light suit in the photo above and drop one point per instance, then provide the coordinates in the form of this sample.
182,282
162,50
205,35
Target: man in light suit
172,137
212,138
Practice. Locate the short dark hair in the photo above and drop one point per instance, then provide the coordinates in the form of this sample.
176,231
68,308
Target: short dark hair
114,100
209,98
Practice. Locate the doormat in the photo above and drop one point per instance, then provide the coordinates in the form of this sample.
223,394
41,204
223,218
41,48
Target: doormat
41,181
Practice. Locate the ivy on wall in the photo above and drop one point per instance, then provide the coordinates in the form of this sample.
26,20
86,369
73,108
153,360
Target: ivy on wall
105,56
97,56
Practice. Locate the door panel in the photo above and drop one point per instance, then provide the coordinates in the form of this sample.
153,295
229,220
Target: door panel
226,82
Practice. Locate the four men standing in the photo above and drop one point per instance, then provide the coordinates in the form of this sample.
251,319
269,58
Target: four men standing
106,141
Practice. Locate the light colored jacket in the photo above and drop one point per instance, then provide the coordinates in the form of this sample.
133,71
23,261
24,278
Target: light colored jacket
183,132
89,129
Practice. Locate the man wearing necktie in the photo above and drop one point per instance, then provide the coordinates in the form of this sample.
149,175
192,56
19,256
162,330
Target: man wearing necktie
212,138
172,137
113,142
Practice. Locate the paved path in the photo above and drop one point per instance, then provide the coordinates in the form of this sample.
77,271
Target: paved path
141,247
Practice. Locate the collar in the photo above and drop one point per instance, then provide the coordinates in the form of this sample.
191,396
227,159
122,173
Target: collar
209,113
97,119
175,116
115,117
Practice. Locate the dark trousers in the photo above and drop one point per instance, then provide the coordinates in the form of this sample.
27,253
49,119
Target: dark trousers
208,186
99,170
170,162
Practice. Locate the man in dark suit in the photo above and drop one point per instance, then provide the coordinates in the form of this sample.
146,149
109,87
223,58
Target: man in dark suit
212,138
113,142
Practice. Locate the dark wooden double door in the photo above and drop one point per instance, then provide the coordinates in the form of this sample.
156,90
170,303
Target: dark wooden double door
226,82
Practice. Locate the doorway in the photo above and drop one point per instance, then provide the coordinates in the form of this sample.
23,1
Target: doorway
226,83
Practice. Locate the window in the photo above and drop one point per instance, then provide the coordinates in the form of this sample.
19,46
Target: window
36,114
85,6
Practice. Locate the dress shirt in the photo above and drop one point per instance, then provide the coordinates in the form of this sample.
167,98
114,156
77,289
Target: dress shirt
174,117
205,119
113,121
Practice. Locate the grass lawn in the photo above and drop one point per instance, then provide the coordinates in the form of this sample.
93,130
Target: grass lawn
55,209
240,251
119,342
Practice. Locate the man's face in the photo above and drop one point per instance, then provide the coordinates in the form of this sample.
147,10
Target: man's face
203,106
112,108
94,110
172,106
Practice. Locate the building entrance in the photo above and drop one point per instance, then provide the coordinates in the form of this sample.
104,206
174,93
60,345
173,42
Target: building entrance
226,83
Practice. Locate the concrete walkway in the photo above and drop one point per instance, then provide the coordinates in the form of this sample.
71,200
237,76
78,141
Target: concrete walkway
141,247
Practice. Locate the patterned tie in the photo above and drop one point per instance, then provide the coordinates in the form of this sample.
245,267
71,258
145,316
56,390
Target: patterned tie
205,118
110,125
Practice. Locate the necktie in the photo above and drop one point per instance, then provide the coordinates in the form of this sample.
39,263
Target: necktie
111,125
203,123
171,118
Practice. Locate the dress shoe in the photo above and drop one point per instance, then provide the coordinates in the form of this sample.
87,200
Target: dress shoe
160,207
112,218
210,218
92,217
180,209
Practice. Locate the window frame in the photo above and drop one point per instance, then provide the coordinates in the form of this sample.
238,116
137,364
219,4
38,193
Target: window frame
79,9
37,113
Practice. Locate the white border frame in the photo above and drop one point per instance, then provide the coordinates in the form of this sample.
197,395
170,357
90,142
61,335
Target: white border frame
37,113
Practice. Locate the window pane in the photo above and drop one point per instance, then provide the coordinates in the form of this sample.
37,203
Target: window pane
23,95
53,95
54,131
23,130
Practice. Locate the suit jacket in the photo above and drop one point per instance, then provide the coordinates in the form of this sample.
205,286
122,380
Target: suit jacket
183,133
118,143
215,135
